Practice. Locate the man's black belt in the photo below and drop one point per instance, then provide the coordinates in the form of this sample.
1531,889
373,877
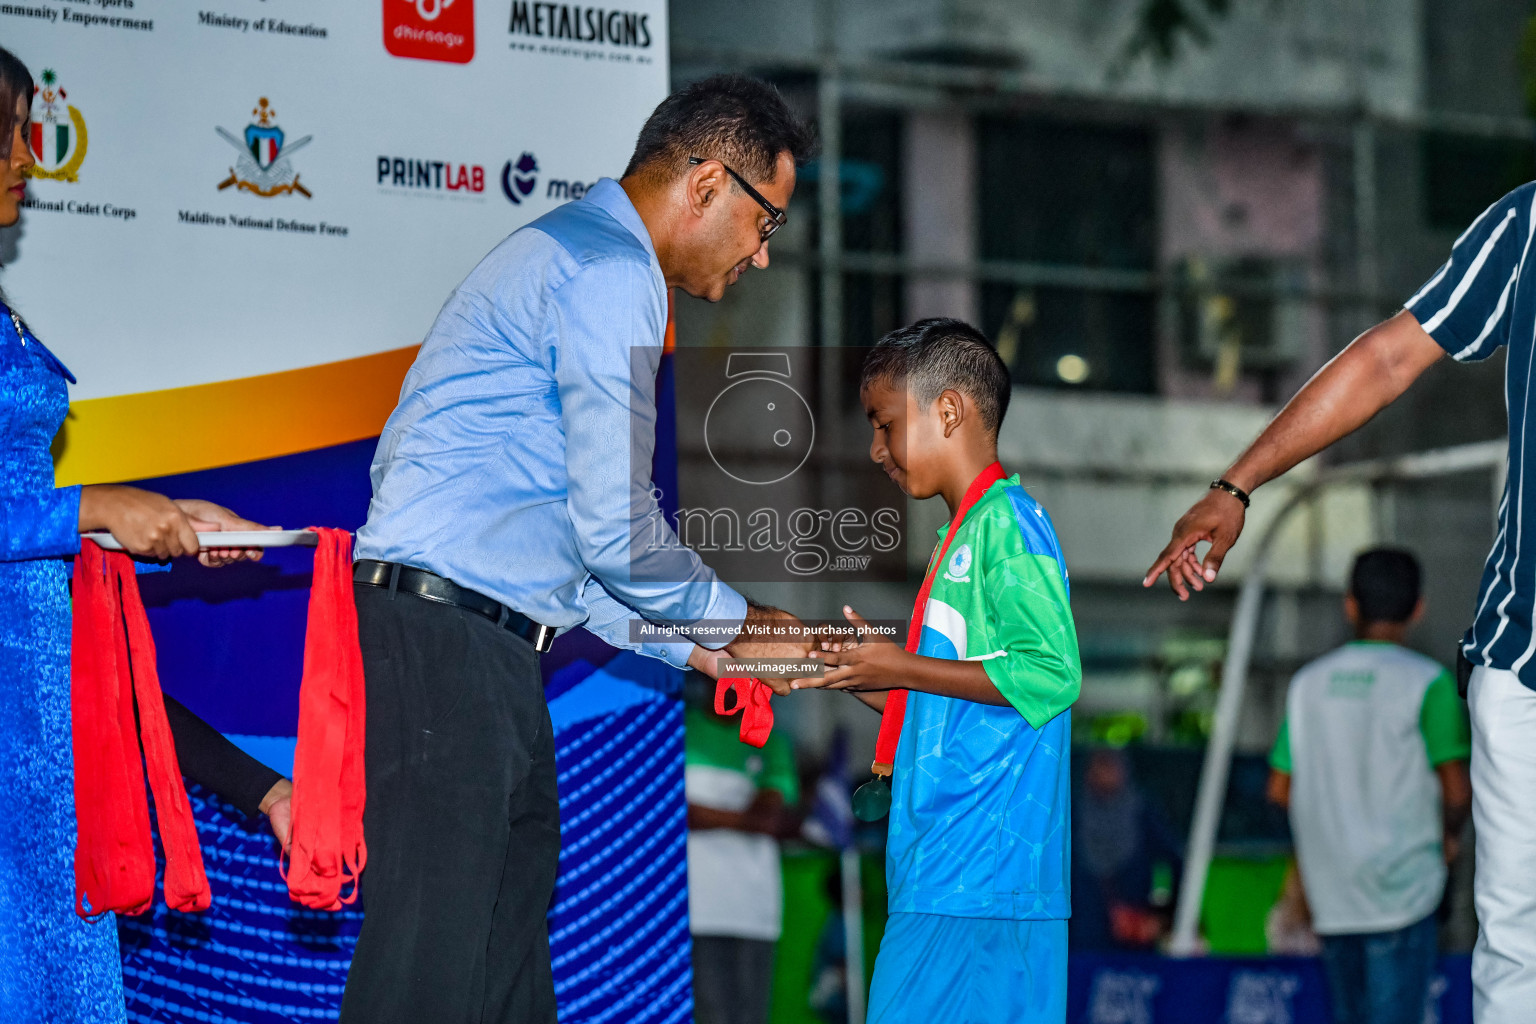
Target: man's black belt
394,576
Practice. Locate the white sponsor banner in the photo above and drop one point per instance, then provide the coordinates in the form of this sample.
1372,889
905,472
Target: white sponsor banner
240,187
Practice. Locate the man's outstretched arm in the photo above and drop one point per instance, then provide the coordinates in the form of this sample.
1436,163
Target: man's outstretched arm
1354,386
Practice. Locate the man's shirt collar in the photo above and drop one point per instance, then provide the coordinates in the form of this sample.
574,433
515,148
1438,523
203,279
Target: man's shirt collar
610,195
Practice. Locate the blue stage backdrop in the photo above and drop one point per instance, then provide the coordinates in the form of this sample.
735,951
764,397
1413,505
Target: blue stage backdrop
230,646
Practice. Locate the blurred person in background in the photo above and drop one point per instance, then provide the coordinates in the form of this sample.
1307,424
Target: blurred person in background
1371,763
738,800
1124,858
1471,307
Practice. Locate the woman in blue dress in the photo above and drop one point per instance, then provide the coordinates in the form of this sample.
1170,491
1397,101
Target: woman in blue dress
54,967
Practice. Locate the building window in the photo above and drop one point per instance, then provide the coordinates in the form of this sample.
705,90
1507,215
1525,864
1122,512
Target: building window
1072,196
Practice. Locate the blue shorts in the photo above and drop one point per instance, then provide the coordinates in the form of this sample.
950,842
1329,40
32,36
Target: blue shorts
969,970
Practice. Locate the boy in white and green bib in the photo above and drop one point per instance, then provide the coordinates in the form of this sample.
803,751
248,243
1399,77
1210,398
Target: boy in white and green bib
977,855
1371,762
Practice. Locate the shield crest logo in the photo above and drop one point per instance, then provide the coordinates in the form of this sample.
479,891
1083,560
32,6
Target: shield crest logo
50,144
56,132
265,143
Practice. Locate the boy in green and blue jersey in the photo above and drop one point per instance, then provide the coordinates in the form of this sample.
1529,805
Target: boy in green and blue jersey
977,856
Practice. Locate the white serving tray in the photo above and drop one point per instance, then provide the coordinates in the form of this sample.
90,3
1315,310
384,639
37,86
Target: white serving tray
232,539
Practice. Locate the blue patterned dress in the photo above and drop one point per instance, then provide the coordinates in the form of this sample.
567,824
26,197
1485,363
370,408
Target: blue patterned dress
54,967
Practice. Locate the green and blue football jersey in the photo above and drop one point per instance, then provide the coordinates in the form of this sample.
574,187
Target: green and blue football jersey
979,821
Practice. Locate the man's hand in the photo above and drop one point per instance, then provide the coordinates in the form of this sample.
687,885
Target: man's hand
1358,383
207,517
277,805
706,661
1216,519
772,633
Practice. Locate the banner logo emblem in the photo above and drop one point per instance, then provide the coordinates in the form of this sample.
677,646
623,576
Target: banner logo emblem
263,167
430,29
265,144
518,179
56,132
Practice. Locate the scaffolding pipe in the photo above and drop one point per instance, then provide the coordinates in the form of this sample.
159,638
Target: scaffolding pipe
949,84
830,200
1484,455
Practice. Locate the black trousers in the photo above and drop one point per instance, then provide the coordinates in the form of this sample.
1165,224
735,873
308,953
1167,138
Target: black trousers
462,821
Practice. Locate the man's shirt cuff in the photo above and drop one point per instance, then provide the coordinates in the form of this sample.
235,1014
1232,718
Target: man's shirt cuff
726,614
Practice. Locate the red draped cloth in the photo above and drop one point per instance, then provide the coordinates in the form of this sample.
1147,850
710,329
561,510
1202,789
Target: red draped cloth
113,672
328,787
121,735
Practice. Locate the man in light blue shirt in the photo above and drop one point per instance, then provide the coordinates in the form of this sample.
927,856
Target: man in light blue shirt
511,501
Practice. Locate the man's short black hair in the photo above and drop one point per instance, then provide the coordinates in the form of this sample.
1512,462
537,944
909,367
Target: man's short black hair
1385,585
740,121
931,355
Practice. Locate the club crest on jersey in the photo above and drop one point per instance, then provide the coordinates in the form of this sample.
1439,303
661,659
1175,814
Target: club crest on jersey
959,568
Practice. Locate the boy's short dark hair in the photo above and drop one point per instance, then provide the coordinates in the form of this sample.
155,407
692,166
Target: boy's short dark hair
1385,585
938,353
740,121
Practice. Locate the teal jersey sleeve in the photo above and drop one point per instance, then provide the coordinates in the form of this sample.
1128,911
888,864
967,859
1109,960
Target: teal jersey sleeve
1037,669
1444,723
1280,754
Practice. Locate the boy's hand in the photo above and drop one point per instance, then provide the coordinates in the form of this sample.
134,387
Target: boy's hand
873,662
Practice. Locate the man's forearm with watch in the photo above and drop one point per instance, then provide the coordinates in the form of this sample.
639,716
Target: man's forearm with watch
1371,373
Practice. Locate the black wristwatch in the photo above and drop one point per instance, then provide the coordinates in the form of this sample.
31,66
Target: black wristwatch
1232,489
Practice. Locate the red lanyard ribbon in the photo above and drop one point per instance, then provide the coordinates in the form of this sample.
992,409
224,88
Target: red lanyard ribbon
895,712
112,669
754,700
328,785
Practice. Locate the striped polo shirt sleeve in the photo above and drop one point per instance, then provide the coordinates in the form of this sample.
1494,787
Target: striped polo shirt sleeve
1466,305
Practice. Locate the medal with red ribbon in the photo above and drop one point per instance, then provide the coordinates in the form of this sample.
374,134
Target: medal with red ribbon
754,699
872,801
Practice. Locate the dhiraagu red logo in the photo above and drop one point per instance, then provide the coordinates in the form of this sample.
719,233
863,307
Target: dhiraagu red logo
430,29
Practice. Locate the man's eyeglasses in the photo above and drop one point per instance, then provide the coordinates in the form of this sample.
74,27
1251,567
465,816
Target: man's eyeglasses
776,216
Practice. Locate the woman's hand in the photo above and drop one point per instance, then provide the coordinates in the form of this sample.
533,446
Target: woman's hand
207,517
151,525
145,523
